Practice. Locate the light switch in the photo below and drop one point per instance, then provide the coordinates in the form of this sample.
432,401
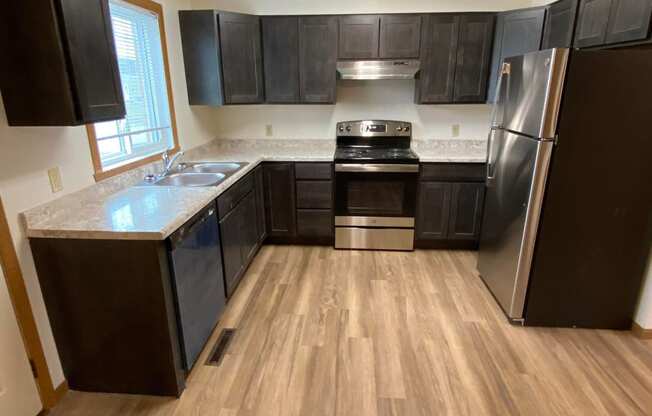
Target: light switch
54,174
269,131
455,130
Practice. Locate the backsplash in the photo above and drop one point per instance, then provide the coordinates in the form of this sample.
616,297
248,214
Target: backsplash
356,100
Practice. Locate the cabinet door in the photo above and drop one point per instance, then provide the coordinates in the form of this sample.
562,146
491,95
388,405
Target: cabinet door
280,213
400,36
281,53
232,248
359,37
248,227
466,211
438,59
592,23
433,210
260,204
92,55
318,58
560,24
241,58
201,57
517,33
473,55
629,20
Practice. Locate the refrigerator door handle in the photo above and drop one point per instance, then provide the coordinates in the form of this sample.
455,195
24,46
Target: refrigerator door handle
490,156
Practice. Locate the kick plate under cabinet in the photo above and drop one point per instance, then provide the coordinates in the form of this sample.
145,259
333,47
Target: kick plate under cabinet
374,238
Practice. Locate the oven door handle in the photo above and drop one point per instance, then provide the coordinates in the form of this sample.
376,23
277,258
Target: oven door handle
376,167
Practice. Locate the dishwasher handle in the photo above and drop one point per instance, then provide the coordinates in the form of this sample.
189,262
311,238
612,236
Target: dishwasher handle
191,226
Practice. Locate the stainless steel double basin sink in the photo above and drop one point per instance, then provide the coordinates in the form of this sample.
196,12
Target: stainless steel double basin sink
197,174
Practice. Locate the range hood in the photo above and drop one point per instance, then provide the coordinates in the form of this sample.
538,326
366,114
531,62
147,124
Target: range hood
371,70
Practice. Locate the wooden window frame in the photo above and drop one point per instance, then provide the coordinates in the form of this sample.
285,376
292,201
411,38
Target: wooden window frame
100,172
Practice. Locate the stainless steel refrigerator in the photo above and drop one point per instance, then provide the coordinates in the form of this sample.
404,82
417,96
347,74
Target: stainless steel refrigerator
566,228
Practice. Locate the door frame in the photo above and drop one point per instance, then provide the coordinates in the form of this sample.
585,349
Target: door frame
49,395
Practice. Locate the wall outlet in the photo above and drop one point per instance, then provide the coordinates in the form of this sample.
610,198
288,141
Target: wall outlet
455,130
54,174
269,130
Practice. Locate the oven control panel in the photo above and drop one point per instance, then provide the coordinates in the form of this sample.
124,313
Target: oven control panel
374,128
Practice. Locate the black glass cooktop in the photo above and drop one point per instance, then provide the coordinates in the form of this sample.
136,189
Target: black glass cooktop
387,155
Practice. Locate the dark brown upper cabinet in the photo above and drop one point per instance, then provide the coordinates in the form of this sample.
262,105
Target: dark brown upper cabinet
473,58
517,32
59,63
439,39
222,57
400,36
455,53
359,37
281,57
604,22
592,23
318,59
242,60
629,20
379,36
560,24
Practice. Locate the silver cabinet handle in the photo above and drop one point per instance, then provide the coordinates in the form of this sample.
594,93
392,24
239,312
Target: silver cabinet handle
376,167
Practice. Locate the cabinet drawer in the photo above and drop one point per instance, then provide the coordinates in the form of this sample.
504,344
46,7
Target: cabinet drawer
314,223
314,194
453,172
313,170
230,198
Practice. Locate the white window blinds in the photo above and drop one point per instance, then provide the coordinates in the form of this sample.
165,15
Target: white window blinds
146,129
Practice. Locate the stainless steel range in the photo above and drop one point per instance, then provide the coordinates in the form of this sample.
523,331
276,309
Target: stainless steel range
376,176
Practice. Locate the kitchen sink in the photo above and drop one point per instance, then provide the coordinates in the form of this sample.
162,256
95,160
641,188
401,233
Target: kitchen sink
196,174
191,179
212,167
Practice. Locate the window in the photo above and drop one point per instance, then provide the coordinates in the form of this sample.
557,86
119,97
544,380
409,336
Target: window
149,127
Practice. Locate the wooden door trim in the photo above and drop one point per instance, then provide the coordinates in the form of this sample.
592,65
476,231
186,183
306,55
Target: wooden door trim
640,332
50,395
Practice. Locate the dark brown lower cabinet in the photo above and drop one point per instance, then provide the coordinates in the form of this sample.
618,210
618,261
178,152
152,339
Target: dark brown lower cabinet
280,213
449,212
466,211
241,235
315,224
111,305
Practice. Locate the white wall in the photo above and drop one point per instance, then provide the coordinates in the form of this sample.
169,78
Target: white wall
26,153
356,100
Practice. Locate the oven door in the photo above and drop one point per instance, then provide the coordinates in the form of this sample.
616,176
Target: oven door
386,192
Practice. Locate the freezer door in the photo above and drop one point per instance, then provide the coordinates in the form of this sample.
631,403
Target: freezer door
530,92
516,177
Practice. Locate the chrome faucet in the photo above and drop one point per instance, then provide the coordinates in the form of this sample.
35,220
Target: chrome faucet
168,163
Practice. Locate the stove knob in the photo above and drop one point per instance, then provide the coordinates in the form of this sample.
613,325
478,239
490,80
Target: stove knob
341,129
399,129
348,128
406,129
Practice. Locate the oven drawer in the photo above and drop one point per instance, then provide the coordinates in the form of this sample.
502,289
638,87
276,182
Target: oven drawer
374,238
453,172
315,194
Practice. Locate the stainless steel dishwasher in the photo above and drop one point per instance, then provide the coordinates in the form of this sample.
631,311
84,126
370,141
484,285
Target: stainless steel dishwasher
198,280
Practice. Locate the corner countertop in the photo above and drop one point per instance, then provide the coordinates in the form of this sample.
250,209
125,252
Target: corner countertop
121,208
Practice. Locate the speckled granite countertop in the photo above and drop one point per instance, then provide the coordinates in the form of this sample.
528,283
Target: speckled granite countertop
121,208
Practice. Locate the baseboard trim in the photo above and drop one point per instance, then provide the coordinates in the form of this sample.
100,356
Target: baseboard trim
59,392
641,332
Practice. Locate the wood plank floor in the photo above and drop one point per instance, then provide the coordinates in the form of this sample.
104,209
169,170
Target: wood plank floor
325,332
